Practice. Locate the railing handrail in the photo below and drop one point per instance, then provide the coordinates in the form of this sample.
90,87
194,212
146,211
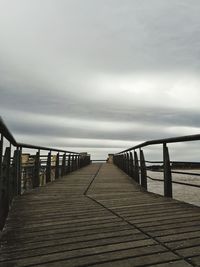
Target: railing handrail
45,148
185,138
8,135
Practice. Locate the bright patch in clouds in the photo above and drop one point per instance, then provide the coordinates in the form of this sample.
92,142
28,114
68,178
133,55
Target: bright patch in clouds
157,90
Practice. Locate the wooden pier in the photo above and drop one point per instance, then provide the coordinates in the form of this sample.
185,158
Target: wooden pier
99,216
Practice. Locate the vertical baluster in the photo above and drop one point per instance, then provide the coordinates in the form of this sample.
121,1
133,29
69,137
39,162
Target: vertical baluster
69,163
127,163
10,182
36,176
48,168
19,177
57,170
72,163
136,168
88,160
63,170
75,162
78,162
167,172
16,171
123,165
118,160
131,164
1,182
121,161
1,154
114,160
143,170
4,203
81,161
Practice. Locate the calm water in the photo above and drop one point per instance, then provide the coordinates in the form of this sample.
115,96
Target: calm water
181,192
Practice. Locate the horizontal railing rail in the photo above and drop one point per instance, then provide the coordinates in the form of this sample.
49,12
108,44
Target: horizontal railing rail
178,139
22,169
6,133
45,148
135,165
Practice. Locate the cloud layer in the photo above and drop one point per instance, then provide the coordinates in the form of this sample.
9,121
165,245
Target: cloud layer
100,75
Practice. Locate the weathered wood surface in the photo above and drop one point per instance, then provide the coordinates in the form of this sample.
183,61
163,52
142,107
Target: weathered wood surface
98,216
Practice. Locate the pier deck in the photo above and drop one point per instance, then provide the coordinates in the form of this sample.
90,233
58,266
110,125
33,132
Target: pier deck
98,216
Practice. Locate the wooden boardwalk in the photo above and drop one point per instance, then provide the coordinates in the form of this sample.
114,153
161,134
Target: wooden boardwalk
98,216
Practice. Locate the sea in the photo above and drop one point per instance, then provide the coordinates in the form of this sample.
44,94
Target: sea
184,193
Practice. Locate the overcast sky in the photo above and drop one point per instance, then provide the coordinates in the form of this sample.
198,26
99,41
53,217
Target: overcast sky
99,75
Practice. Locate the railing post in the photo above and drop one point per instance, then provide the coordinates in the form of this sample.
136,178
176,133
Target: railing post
48,168
57,170
136,168
114,160
72,163
131,165
167,172
63,169
1,155
4,203
127,163
143,170
36,178
75,162
81,161
78,162
121,161
16,174
69,164
124,163
1,183
19,177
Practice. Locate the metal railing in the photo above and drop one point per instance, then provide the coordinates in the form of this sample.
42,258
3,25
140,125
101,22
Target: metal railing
136,166
20,172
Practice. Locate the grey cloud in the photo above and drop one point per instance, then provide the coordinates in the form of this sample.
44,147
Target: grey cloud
75,59
108,36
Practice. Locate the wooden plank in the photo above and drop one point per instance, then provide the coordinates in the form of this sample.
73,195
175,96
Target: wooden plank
115,224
